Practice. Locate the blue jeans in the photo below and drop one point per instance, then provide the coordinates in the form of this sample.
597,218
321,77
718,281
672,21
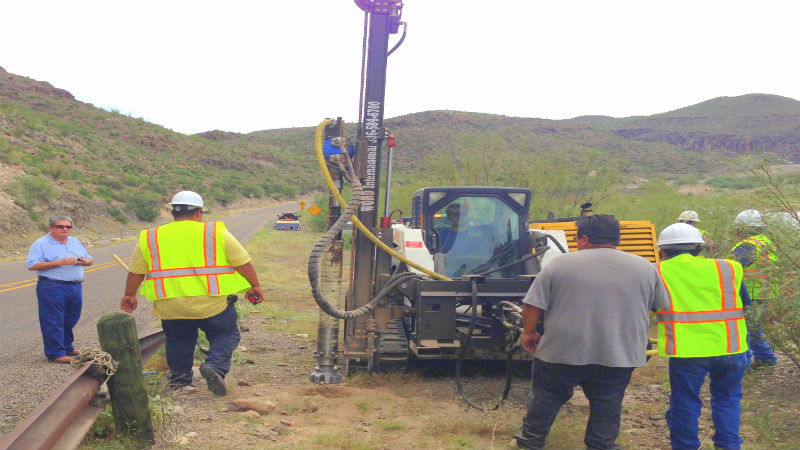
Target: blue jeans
686,377
59,310
223,337
553,384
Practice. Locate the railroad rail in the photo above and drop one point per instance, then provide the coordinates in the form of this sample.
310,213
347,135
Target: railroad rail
64,418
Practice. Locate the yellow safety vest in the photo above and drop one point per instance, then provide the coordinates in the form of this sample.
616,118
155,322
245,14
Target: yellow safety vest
705,316
755,275
187,258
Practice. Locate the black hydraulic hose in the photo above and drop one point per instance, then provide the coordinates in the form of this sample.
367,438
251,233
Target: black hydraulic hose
558,244
465,344
314,269
402,38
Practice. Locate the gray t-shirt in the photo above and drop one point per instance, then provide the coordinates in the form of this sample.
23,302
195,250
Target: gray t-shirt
597,304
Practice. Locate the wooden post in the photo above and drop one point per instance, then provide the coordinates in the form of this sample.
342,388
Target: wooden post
118,337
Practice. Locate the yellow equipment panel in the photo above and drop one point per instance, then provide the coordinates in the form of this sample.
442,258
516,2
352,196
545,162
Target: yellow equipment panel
637,237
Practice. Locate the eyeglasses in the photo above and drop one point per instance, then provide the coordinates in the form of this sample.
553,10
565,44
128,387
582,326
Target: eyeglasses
62,227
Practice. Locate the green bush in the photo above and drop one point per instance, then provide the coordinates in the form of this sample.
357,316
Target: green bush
779,317
29,191
731,182
104,193
117,214
10,153
57,169
85,192
687,179
223,197
251,190
318,221
145,204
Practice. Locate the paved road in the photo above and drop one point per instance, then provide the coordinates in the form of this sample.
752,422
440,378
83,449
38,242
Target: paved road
26,378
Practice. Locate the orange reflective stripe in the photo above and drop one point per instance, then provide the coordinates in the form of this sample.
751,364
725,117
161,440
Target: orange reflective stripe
728,312
669,328
210,244
155,260
732,332
210,253
727,283
213,284
669,342
700,316
189,271
666,288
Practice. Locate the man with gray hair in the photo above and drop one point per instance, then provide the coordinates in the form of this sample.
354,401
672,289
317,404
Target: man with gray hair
596,304
59,258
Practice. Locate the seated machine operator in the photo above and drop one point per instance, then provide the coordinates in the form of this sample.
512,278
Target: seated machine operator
465,246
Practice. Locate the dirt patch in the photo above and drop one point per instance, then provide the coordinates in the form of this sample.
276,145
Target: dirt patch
695,189
419,408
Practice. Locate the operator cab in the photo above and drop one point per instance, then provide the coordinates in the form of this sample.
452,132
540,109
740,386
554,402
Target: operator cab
474,229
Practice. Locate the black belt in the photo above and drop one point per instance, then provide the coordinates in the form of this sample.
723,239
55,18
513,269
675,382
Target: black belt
59,281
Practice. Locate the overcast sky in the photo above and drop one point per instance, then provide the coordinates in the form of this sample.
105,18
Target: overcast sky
244,66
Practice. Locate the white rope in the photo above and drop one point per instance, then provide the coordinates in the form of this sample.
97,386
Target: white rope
96,357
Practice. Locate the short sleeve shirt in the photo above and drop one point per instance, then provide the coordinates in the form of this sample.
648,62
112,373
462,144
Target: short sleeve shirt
597,304
47,249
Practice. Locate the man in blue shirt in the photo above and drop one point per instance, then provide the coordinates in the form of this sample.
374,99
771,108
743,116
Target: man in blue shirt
59,258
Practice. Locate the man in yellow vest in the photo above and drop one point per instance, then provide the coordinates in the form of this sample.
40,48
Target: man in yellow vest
189,268
691,217
755,252
702,331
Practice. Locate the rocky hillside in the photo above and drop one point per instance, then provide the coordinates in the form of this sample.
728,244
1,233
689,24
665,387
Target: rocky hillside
730,125
114,173
109,171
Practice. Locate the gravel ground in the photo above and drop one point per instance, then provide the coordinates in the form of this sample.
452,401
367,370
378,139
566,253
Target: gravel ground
27,378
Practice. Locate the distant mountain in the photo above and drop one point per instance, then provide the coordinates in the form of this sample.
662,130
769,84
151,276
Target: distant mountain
461,135
60,155
730,125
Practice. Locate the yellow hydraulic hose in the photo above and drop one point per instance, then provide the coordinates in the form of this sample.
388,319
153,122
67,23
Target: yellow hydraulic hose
323,166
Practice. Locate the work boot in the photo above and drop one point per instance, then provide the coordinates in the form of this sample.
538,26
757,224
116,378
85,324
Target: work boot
61,359
215,382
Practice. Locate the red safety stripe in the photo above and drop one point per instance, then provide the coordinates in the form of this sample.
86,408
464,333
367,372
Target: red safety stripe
721,283
664,282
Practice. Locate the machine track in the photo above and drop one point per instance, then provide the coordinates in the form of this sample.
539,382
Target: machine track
394,349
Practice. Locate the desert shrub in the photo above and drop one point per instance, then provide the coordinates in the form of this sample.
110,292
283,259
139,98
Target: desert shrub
251,190
779,317
223,197
145,204
318,221
10,153
57,169
29,191
104,193
85,192
117,214
732,182
687,179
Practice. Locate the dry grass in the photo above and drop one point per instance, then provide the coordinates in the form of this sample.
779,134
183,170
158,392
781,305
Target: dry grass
421,409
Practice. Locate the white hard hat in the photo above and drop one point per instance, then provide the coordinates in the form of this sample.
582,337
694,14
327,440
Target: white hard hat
750,218
187,198
689,216
679,234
